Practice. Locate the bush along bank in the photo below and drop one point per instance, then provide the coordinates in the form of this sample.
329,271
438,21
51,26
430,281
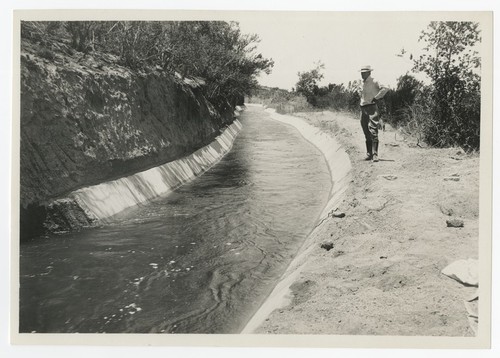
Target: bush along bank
89,116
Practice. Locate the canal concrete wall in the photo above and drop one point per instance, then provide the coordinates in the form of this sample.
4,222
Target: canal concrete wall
85,120
339,165
98,203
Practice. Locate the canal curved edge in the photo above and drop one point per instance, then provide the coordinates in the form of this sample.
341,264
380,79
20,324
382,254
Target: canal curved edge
339,165
96,204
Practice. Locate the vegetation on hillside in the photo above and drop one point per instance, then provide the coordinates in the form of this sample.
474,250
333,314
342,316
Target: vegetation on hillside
214,51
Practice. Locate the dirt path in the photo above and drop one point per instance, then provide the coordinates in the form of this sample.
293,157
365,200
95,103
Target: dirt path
382,275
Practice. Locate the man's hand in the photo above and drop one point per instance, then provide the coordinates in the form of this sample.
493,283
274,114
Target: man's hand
381,124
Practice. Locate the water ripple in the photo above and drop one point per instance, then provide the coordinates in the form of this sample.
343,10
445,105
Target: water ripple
200,260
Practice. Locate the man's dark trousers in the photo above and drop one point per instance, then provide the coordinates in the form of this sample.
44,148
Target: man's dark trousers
370,123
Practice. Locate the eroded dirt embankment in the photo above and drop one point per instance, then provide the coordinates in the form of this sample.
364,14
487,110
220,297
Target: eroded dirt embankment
85,119
377,271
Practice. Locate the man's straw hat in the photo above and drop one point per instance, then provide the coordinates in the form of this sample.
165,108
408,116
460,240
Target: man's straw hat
366,68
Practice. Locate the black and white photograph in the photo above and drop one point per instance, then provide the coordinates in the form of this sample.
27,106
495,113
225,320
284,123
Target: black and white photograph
249,175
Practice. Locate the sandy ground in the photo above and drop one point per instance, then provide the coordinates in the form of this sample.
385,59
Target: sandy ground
382,275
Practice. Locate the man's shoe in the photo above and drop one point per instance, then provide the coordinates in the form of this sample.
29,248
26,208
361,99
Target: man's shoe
368,156
375,157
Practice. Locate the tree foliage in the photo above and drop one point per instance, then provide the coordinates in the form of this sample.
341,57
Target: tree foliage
408,91
307,84
222,55
450,49
451,62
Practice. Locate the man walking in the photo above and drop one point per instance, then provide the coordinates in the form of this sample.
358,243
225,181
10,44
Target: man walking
371,92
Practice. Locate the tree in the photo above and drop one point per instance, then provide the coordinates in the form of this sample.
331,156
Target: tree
451,62
221,54
308,82
450,49
407,89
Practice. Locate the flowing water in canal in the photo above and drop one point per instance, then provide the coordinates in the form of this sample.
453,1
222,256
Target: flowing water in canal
199,260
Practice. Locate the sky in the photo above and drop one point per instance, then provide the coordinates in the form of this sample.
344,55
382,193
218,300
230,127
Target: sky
344,42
